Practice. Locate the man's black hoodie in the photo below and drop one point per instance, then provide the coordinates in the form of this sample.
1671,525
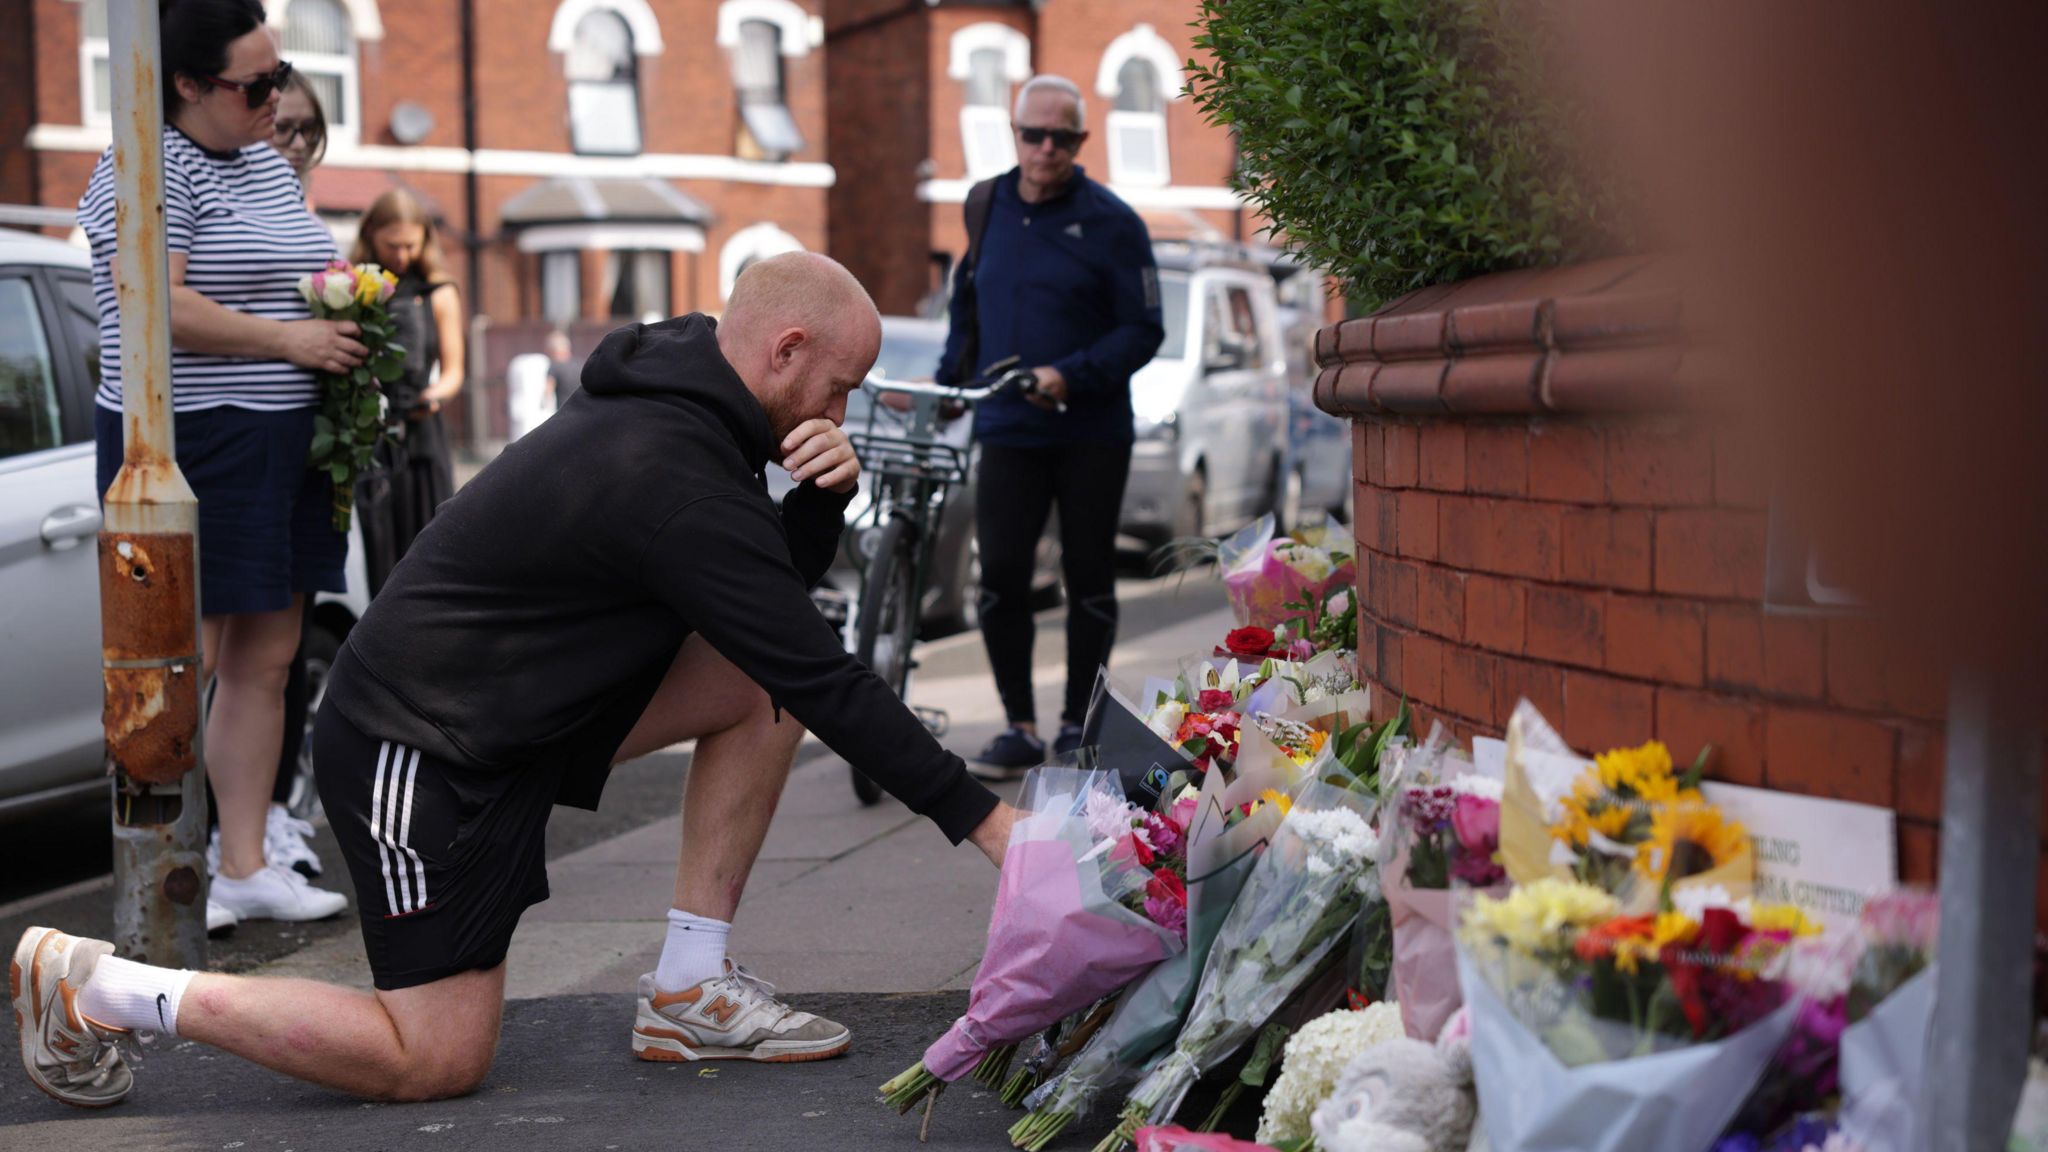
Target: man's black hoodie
529,625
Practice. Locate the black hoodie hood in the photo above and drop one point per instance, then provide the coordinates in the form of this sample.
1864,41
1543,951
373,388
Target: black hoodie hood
679,359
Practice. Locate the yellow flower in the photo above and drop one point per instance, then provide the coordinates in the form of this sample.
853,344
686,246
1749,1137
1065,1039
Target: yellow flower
1674,928
1540,916
1277,799
1687,839
1782,918
367,287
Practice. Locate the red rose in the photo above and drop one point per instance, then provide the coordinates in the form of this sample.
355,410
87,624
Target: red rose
1251,642
1165,885
1214,700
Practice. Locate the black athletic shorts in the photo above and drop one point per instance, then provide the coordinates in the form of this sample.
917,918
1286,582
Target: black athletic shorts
445,858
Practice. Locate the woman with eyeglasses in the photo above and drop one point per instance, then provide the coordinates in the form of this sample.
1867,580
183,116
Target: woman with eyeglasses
244,353
299,129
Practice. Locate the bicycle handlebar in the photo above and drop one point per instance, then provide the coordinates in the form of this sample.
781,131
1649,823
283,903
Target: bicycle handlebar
999,376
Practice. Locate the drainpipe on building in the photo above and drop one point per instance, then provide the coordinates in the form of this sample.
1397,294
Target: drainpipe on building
149,553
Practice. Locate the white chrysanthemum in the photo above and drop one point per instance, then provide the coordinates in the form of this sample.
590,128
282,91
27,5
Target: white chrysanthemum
1337,835
1108,816
1484,787
1314,1058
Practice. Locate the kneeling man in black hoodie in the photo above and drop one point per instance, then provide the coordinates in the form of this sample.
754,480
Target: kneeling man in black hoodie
616,582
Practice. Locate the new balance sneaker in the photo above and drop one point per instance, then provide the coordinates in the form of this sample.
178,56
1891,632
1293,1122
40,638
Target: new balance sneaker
275,893
734,1016
284,842
66,1055
1008,756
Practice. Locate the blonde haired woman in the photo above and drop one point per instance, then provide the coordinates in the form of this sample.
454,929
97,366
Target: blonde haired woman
399,233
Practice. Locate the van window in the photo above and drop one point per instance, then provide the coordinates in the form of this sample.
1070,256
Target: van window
1232,319
1173,305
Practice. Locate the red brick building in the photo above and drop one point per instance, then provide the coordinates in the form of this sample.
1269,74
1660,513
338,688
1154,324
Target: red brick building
608,159
921,94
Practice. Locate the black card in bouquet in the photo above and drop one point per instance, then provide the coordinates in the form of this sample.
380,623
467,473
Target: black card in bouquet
1142,761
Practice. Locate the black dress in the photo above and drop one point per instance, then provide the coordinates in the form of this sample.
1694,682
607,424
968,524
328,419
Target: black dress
414,474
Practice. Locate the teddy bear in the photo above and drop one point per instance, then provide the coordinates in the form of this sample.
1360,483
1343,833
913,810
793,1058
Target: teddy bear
1403,1096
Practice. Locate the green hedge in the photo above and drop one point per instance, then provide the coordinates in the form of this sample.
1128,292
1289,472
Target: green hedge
1396,143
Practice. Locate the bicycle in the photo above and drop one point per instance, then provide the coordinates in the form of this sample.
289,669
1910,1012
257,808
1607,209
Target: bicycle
914,473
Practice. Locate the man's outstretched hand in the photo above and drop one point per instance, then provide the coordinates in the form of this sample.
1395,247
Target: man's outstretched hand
818,451
992,836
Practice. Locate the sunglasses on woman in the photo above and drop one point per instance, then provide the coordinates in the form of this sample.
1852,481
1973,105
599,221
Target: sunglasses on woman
256,91
1064,139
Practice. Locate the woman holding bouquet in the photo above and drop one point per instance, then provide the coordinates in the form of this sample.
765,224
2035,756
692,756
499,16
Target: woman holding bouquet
244,353
398,234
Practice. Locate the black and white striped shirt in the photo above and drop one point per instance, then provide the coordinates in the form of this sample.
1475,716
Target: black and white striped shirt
240,220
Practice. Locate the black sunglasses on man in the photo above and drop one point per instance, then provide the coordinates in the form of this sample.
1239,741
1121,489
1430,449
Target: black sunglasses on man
1064,139
258,90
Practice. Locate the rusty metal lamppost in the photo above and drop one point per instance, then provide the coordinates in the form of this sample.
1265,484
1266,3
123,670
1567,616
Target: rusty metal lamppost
149,551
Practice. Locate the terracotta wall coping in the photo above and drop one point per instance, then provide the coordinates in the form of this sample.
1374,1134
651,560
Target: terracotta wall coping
1585,338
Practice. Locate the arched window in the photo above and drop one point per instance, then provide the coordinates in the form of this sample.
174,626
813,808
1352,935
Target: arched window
604,88
754,242
1140,73
766,131
988,59
321,44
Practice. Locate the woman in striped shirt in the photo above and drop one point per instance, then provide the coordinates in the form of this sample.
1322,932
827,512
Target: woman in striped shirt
244,353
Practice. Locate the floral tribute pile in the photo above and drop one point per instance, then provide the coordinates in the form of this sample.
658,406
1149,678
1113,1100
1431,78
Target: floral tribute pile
1336,937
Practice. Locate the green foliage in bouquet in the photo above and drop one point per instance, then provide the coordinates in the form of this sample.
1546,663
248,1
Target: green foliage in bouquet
1401,143
352,407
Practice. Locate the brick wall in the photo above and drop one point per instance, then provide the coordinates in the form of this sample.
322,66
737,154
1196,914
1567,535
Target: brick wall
1072,36
880,131
1604,559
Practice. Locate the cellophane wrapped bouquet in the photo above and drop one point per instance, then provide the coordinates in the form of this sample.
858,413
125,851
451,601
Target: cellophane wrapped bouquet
1298,905
1081,910
1266,571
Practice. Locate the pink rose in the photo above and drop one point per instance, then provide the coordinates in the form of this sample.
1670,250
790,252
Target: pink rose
1476,819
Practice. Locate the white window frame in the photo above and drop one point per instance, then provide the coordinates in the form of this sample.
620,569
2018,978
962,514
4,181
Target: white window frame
637,15
801,31
755,241
980,123
91,49
1152,168
346,129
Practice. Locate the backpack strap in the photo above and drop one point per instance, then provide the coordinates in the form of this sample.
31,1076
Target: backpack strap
980,199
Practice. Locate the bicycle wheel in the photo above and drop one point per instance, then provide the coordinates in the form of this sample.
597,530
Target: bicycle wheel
887,625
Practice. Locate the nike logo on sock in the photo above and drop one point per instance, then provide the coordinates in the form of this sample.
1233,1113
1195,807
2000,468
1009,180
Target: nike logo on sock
161,1001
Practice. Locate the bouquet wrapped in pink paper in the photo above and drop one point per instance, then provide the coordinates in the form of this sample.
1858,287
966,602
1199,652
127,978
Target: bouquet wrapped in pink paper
1266,571
1081,911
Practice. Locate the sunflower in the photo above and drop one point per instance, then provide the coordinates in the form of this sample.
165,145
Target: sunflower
1276,799
1686,840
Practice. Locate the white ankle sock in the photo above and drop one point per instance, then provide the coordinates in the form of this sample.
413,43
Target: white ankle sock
124,994
693,953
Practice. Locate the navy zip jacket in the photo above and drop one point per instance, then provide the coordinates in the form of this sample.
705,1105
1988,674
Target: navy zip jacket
530,624
1067,282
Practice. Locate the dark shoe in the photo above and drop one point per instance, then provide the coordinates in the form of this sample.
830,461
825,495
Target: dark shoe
1068,739
1009,755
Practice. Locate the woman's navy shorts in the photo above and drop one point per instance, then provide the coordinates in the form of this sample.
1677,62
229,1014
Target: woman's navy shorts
265,519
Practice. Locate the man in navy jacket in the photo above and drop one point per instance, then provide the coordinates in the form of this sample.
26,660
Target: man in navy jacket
1063,278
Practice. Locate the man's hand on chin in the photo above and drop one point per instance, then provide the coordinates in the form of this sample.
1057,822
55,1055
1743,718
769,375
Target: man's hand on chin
818,451
992,836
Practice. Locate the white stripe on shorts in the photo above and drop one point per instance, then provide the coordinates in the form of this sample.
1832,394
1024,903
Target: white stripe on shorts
419,868
377,826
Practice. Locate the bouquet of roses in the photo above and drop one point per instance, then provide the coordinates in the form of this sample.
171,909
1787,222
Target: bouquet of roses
1889,1013
1598,1030
1226,829
1298,904
1076,918
352,405
1441,825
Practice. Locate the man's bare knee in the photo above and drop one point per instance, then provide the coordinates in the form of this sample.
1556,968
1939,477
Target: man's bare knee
439,1076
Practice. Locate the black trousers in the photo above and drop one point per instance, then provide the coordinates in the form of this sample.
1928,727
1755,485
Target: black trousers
1015,490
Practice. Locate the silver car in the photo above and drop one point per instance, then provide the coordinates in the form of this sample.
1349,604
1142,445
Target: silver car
1211,408
52,745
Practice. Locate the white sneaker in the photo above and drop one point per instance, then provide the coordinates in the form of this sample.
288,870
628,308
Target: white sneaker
219,918
730,1017
276,893
66,1055
284,842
